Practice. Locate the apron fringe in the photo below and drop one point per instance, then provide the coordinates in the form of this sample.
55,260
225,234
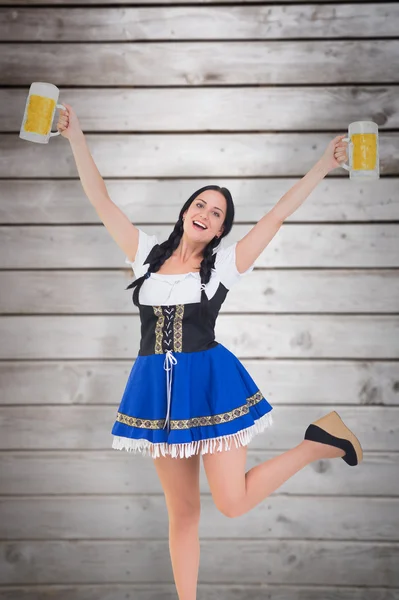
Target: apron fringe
241,438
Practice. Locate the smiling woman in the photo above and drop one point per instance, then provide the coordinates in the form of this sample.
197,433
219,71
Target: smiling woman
213,400
245,94
204,214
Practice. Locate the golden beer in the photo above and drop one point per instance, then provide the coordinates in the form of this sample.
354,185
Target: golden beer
364,155
363,160
40,107
40,113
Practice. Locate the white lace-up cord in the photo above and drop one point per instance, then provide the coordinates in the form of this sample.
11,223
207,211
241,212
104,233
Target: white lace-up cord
169,361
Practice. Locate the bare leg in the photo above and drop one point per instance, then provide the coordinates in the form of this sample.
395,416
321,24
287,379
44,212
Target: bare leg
236,492
180,481
262,480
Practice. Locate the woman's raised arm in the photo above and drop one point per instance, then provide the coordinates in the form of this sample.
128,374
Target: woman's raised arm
250,247
125,234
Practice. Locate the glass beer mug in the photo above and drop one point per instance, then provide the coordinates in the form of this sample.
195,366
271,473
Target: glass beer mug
39,113
363,151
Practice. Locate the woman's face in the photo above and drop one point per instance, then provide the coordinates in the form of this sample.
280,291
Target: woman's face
209,208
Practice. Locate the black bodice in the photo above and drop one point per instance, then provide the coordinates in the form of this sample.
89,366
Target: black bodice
179,327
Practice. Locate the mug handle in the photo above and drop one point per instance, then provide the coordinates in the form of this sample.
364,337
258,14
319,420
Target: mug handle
344,165
53,133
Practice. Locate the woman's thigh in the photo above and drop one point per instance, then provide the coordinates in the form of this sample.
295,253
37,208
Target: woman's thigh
225,472
179,478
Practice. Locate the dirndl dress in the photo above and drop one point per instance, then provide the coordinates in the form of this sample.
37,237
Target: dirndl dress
186,392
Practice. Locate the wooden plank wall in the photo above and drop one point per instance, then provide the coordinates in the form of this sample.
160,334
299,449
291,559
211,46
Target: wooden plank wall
173,97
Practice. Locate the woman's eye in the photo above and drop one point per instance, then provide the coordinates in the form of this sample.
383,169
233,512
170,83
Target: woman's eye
200,205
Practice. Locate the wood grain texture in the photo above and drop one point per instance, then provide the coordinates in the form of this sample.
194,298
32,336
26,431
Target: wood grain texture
147,561
89,427
194,23
172,97
274,291
288,381
202,63
113,472
179,155
248,336
158,201
123,517
310,245
210,591
145,2
217,108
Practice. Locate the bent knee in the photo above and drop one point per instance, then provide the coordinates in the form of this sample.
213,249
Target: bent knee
230,507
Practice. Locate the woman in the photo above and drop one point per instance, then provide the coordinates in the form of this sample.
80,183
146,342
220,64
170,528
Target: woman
187,395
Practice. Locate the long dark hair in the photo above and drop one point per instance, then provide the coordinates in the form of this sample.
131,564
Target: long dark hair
163,251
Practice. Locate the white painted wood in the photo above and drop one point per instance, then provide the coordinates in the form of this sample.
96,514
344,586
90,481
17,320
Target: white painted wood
124,517
144,2
193,23
210,591
267,561
158,201
299,245
276,291
114,472
323,382
81,521
202,63
248,336
174,155
89,427
217,108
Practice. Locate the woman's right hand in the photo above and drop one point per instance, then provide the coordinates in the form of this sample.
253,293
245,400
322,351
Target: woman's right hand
68,123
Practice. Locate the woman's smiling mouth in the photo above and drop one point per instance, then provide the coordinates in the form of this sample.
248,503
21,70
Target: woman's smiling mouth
202,227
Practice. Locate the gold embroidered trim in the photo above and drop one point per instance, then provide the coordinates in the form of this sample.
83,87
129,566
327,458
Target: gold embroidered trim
158,329
236,413
178,328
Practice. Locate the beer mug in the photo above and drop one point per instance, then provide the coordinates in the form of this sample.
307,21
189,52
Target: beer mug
39,113
363,151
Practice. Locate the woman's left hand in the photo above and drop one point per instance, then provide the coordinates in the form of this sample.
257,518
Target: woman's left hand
335,154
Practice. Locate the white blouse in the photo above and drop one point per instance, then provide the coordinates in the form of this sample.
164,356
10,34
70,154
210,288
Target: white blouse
167,289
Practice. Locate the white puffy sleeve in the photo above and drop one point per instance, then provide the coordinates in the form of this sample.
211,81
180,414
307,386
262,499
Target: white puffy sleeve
146,243
225,266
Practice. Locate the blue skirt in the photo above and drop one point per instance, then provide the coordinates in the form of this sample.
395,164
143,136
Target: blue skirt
188,403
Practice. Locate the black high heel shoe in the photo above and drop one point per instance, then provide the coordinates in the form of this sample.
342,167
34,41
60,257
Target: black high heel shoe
331,430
